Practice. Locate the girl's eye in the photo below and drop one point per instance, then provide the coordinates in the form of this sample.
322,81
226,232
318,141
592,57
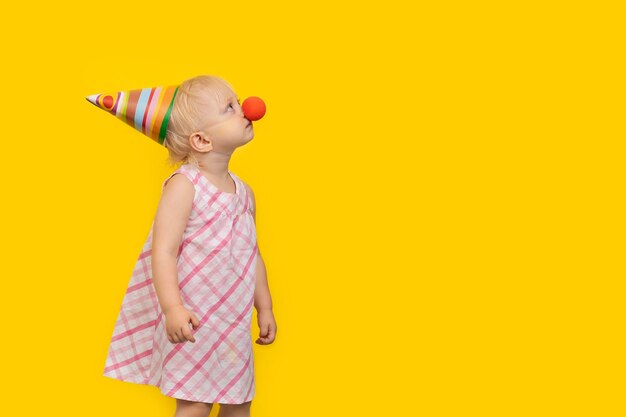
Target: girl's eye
231,104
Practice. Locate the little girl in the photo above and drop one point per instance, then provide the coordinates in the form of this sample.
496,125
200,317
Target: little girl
184,323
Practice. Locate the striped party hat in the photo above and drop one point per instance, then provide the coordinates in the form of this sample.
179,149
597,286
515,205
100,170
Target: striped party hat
148,109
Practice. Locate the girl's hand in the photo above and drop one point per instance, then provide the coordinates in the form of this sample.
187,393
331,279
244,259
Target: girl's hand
267,326
177,319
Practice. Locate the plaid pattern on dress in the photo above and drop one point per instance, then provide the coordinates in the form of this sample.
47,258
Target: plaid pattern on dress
216,274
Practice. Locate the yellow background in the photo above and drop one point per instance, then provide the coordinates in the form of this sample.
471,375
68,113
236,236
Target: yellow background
440,193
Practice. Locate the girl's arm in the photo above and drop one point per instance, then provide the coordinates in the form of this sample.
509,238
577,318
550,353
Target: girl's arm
169,224
262,297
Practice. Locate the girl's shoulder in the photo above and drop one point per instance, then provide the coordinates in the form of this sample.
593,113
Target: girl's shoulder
186,171
184,187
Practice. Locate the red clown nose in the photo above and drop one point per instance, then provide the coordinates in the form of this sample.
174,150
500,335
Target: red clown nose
253,108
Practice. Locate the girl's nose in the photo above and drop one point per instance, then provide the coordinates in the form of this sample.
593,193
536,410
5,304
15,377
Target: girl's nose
253,108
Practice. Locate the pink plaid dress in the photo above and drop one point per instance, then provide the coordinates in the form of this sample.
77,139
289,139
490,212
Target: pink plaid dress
216,275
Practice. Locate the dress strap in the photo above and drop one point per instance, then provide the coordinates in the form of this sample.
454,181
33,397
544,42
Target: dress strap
243,193
250,202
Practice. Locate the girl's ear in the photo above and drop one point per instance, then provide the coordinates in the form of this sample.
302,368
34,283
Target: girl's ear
200,142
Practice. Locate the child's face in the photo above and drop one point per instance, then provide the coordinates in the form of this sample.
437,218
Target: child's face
223,121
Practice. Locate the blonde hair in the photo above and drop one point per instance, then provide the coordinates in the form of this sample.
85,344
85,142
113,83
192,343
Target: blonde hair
186,116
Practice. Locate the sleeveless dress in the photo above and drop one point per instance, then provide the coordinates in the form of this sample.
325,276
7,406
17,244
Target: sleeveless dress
216,274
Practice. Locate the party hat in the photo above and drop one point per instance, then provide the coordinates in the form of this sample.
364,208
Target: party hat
148,109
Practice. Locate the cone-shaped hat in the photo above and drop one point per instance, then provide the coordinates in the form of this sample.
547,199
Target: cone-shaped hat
148,109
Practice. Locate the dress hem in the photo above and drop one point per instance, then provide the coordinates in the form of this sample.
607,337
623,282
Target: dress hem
179,397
